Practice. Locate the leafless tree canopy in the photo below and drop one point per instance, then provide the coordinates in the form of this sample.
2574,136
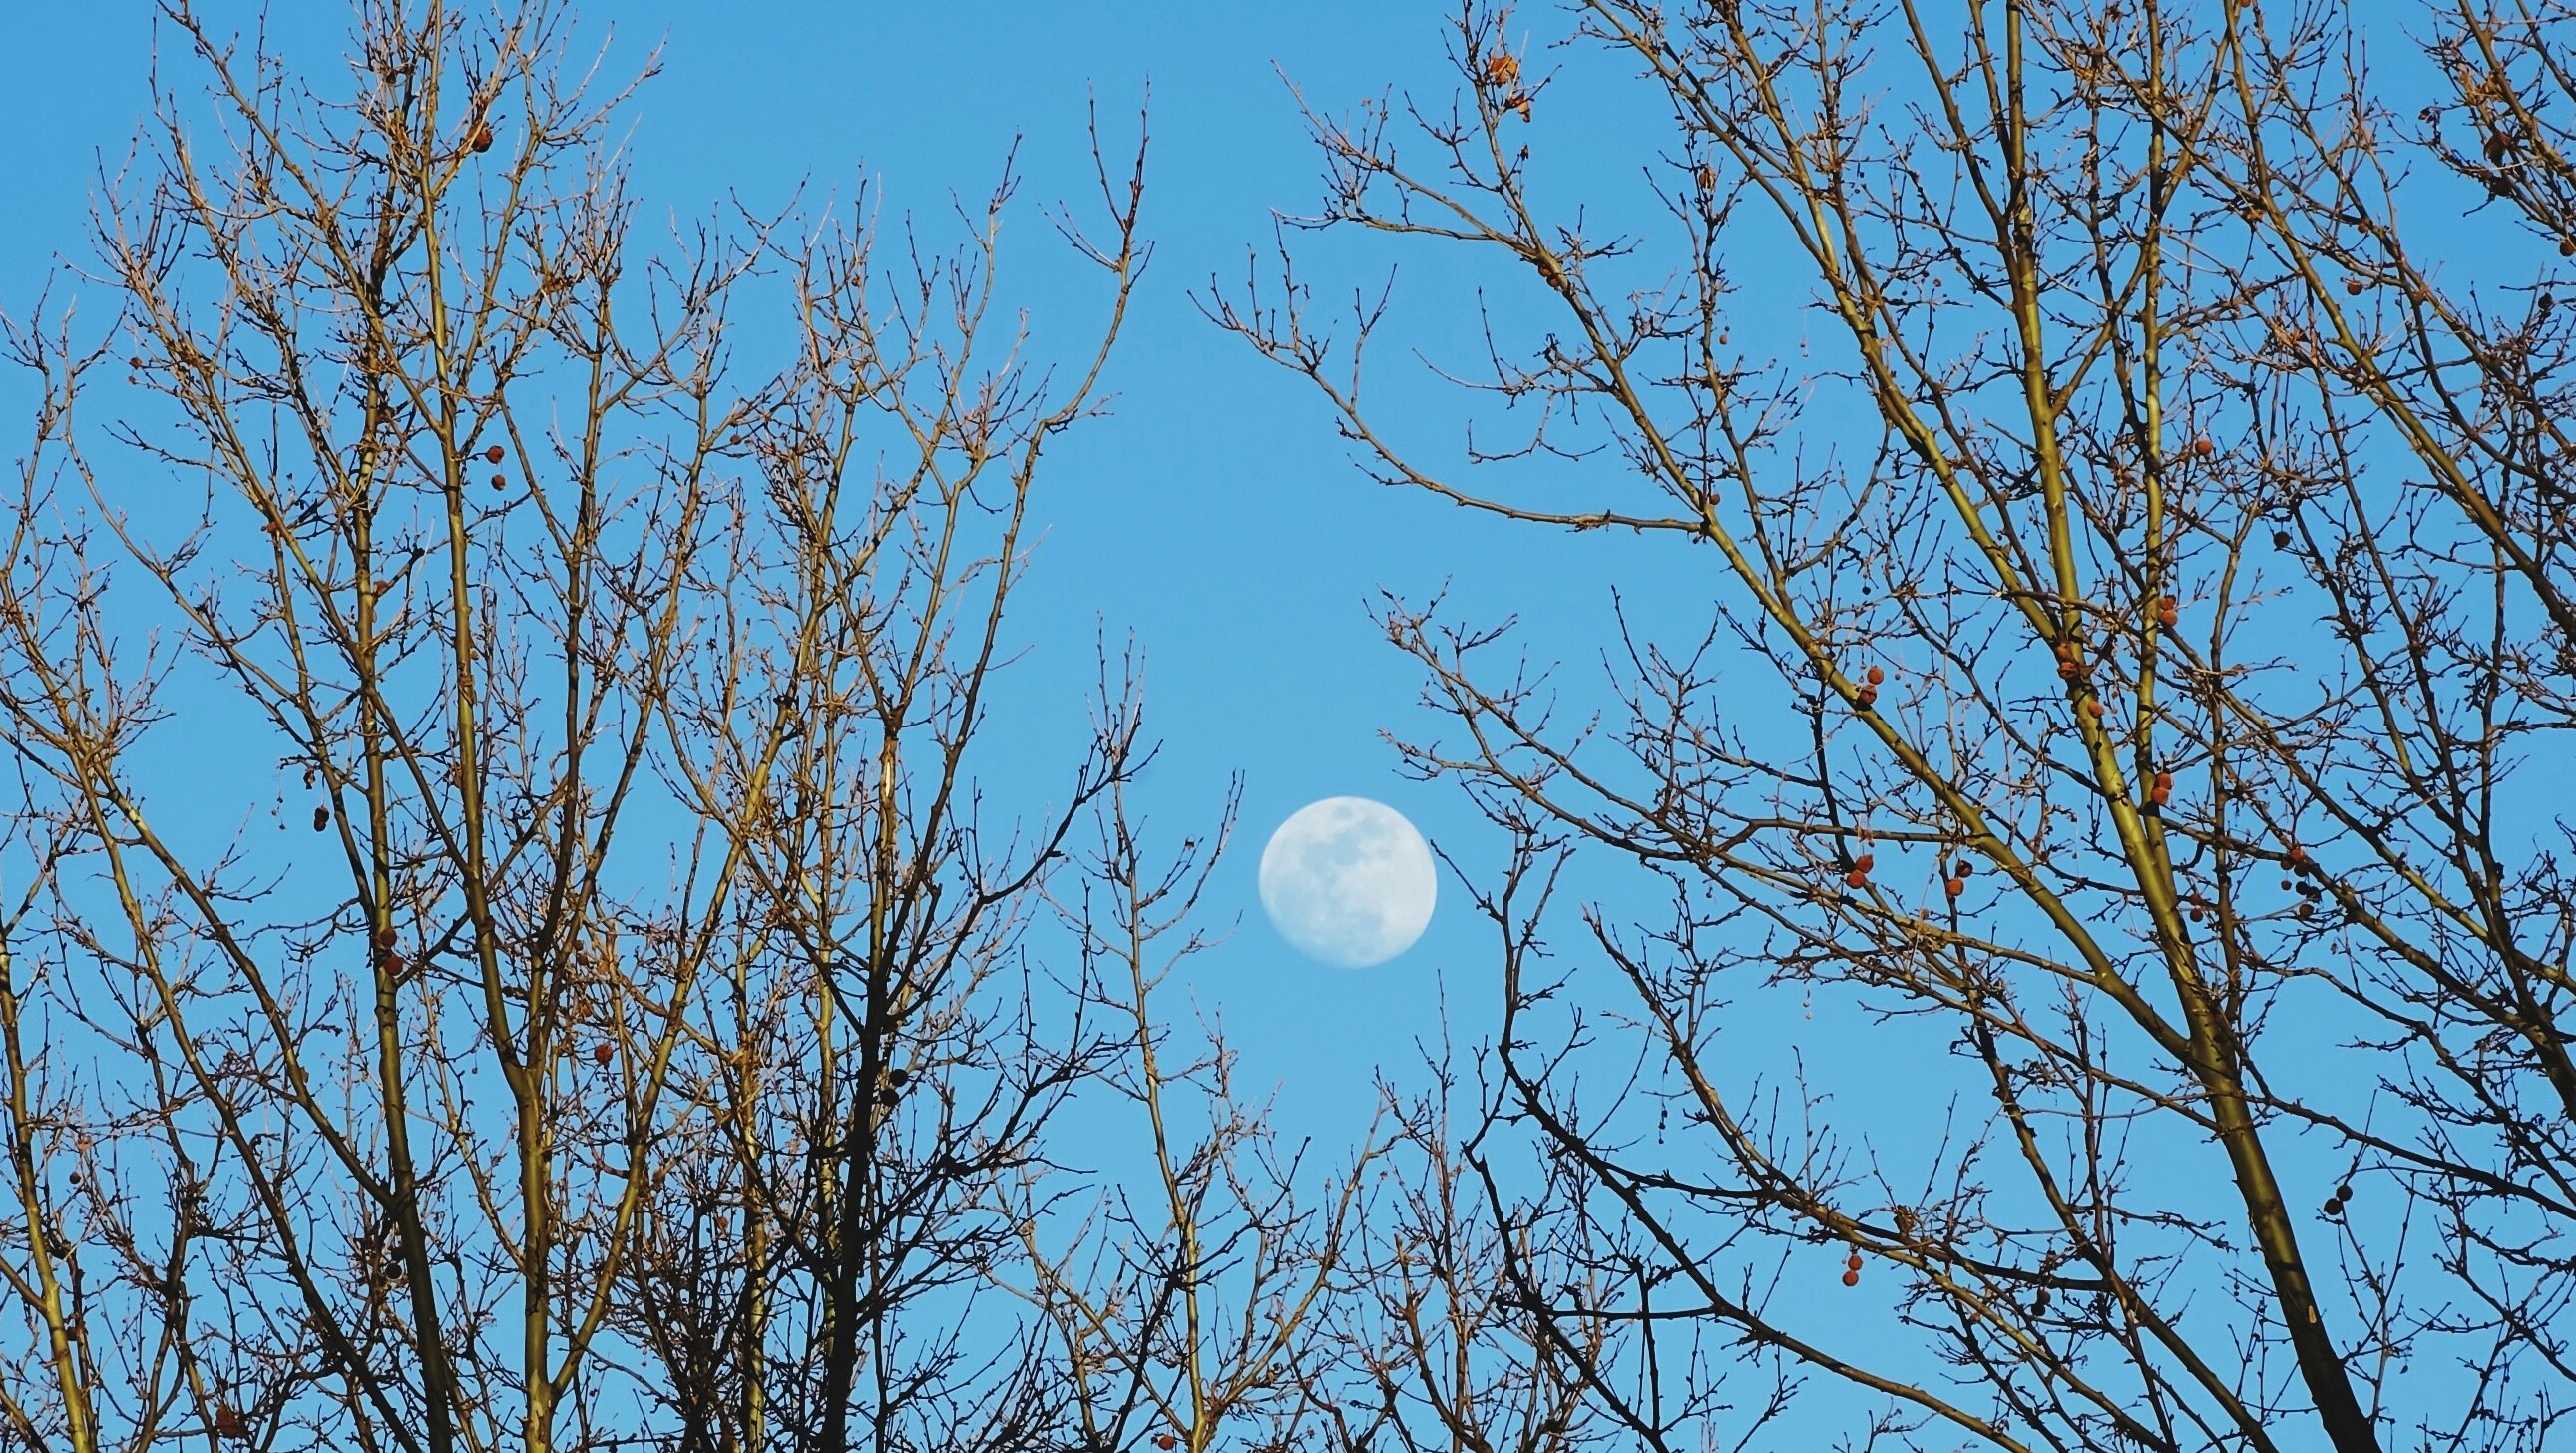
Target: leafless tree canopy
2124,446
2057,937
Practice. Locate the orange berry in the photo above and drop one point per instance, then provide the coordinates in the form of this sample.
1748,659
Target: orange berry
1864,862
1852,1262
1956,886
2201,448
2352,286
1851,1278
1876,675
1855,879
500,481
2093,709
495,454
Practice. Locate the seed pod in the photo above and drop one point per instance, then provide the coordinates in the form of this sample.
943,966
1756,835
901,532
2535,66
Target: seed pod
1851,1278
500,481
2280,539
1852,1262
602,1052
1864,862
385,937
1855,879
321,818
1876,675
2201,448
495,454
2343,1191
480,138
1956,886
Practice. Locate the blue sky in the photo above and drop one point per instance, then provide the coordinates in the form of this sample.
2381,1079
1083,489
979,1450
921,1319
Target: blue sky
1214,516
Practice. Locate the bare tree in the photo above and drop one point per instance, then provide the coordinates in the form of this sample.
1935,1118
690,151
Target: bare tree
2131,681
620,1027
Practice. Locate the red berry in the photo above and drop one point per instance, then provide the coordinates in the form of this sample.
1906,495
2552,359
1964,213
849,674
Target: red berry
2093,709
1876,675
1851,1278
1956,886
495,454
480,138
1855,879
2201,448
500,481
603,1052
1864,862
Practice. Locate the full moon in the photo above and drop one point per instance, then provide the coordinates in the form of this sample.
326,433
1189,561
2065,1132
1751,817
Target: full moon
1348,881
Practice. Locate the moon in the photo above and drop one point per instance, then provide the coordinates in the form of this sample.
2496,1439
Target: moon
1348,881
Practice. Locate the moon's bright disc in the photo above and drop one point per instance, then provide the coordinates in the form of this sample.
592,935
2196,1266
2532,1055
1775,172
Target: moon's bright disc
1348,881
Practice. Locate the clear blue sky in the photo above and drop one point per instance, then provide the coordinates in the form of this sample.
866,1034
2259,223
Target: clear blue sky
1215,516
